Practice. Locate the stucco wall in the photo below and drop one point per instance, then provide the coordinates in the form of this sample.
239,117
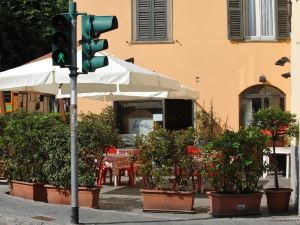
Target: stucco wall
200,49
295,91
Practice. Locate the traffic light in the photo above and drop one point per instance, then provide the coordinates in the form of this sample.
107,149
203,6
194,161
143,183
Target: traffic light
61,40
92,27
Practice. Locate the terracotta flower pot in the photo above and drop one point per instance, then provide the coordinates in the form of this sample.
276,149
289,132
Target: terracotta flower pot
234,204
278,199
32,191
87,197
159,200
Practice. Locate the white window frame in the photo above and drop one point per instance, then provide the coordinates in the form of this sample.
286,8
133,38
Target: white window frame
258,36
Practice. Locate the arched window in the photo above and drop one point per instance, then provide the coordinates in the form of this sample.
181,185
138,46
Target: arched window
257,97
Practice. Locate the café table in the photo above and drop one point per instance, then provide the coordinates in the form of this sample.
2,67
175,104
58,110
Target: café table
121,161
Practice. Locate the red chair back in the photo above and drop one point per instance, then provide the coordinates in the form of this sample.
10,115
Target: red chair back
192,150
111,150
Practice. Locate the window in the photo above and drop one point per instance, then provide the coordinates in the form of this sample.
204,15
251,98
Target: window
7,97
258,19
151,20
136,117
257,97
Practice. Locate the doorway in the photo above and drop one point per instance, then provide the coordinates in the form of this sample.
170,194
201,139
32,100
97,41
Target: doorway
257,97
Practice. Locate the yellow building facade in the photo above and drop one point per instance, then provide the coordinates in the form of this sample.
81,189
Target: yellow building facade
222,49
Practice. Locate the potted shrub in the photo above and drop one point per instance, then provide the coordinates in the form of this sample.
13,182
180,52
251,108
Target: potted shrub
234,165
3,149
165,161
22,138
95,134
279,124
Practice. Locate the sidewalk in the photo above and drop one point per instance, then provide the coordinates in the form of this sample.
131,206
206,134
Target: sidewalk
123,205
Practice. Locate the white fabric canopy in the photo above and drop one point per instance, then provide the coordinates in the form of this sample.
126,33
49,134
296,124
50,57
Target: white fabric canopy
183,93
120,75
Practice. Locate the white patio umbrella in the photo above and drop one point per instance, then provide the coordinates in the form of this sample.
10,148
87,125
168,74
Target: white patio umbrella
41,76
184,93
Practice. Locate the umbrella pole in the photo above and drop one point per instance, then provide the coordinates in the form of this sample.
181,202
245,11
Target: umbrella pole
73,119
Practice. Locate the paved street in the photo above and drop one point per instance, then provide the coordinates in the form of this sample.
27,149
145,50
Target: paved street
123,205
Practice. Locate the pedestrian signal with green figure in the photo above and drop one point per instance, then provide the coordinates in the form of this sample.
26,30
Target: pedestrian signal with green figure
61,40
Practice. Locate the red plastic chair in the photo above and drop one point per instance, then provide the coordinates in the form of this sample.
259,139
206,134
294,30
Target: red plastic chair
103,168
131,169
196,153
123,167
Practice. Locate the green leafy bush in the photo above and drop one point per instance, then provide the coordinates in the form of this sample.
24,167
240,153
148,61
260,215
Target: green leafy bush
279,124
57,165
95,133
38,146
234,161
22,139
164,158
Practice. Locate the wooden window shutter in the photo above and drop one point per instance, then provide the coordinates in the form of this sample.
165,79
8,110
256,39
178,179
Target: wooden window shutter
143,23
235,19
283,19
159,21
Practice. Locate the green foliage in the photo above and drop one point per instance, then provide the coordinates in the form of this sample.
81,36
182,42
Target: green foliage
162,153
181,160
95,133
155,156
280,124
26,29
57,165
38,146
276,120
3,150
234,161
22,140
208,127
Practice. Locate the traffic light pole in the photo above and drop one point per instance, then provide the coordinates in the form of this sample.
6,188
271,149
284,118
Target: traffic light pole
64,54
73,120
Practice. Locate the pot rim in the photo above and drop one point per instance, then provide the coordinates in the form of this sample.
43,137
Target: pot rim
278,190
166,191
228,194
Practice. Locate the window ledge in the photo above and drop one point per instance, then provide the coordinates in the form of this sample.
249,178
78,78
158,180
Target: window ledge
266,39
152,42
261,41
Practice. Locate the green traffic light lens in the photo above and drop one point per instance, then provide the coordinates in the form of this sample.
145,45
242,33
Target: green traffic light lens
60,57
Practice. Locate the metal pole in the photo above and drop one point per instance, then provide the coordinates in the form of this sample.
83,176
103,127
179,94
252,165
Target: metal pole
73,120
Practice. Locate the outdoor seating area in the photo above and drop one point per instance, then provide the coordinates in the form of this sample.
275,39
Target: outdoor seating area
117,163
170,167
